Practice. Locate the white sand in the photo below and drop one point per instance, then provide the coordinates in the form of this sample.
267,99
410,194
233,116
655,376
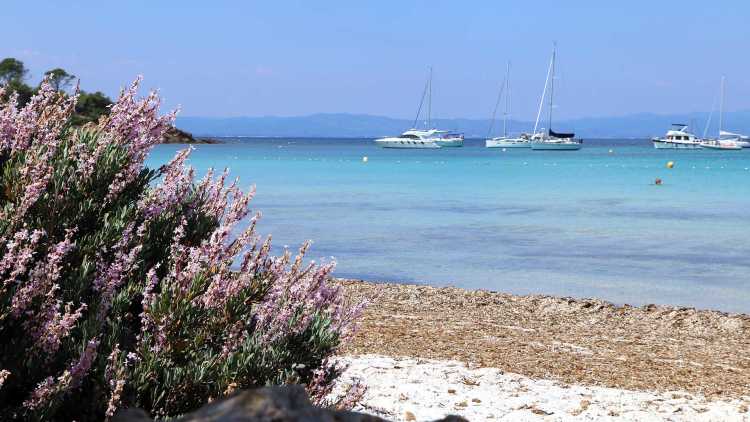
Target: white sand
404,389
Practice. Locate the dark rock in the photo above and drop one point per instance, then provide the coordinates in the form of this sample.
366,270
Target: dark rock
270,404
132,415
177,136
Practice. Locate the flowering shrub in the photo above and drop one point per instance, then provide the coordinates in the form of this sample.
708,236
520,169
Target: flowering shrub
124,286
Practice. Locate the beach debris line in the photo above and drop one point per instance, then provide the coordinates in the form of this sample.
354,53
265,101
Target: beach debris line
574,341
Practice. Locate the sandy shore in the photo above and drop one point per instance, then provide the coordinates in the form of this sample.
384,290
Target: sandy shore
577,342
404,389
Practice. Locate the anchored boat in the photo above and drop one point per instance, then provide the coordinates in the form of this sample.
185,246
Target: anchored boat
412,138
550,140
723,142
678,137
427,138
505,141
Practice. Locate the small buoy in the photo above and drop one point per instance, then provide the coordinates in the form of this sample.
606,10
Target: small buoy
364,159
657,181
503,149
670,164
611,152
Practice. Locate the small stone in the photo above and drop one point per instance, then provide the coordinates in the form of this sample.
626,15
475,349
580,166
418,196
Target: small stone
403,397
409,416
475,400
538,411
462,404
451,391
584,405
743,408
469,381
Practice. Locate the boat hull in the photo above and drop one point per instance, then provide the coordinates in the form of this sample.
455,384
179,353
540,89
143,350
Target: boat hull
662,144
721,147
555,146
505,143
450,142
406,143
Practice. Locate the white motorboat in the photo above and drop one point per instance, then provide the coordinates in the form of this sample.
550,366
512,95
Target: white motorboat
505,141
423,138
550,140
412,138
678,137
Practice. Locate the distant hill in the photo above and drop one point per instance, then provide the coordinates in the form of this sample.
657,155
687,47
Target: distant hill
359,125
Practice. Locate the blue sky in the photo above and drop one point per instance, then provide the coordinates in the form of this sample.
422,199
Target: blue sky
247,58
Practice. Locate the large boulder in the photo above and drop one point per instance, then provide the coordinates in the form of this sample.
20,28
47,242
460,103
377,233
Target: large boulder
270,404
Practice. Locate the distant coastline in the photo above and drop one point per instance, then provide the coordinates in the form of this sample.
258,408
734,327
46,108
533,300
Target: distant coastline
345,125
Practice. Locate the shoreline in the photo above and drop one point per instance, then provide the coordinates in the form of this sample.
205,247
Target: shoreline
419,283
583,342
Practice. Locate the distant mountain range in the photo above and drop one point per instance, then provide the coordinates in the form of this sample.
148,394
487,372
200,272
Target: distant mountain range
344,125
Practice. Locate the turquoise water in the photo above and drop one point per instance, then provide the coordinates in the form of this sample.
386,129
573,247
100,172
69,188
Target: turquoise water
585,223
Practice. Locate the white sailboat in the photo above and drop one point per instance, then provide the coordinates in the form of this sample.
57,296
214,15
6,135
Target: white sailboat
741,140
550,140
427,138
723,142
505,141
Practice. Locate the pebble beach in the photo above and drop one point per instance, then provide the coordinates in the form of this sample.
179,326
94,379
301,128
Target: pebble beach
425,352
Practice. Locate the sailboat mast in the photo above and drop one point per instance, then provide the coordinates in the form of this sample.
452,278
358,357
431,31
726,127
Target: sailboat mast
552,88
507,96
497,106
541,100
419,110
510,99
721,106
429,103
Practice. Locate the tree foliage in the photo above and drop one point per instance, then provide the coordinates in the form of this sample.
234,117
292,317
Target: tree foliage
59,78
12,70
90,107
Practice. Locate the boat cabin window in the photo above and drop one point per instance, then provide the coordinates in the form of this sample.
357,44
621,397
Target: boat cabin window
409,136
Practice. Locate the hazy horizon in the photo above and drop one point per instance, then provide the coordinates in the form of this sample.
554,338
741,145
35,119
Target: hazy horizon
259,59
640,125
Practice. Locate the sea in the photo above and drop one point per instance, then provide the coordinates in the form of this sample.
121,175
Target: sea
587,223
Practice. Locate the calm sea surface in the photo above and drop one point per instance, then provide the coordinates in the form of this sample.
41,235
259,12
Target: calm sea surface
585,223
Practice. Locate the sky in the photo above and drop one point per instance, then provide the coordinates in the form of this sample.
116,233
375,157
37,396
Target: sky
288,58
